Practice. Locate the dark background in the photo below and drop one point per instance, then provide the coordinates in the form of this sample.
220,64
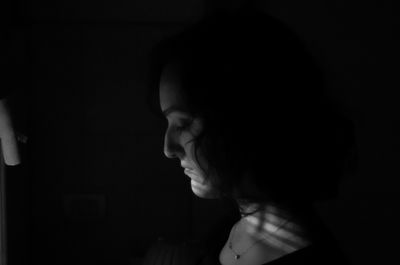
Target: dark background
95,187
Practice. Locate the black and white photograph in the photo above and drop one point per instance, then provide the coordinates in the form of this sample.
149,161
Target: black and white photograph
199,132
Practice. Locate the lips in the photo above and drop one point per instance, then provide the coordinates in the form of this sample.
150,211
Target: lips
193,175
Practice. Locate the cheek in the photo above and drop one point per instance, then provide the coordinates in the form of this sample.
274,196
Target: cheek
187,141
196,156
188,145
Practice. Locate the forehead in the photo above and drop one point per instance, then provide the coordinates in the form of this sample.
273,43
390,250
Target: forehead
170,89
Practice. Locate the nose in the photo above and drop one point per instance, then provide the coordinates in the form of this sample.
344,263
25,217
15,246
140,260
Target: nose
172,147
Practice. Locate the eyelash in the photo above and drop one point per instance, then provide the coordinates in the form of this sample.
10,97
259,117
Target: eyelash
183,127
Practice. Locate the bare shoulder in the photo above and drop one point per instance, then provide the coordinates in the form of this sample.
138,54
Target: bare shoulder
262,238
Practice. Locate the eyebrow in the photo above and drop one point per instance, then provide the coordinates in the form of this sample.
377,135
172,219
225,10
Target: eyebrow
174,109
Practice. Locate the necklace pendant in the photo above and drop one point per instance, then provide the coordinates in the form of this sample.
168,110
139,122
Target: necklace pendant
237,256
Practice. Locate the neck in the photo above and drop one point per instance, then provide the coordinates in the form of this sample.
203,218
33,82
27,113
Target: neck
252,209
271,221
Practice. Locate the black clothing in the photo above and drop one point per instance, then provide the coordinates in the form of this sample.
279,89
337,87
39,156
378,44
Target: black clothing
325,252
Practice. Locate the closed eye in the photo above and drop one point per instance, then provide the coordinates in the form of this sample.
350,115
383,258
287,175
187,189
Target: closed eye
185,125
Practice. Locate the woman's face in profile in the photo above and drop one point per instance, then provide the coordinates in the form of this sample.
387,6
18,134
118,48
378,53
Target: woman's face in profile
182,129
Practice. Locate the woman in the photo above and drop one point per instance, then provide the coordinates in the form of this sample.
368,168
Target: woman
248,120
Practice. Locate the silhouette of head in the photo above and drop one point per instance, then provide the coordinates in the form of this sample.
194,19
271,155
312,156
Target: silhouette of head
247,112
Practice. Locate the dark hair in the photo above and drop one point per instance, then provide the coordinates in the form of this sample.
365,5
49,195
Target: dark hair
262,99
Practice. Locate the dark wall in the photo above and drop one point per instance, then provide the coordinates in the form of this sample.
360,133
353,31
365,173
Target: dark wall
356,43
100,188
94,137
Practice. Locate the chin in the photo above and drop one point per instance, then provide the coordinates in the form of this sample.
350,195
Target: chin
203,191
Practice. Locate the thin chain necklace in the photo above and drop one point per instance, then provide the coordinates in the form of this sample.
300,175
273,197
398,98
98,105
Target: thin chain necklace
238,256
